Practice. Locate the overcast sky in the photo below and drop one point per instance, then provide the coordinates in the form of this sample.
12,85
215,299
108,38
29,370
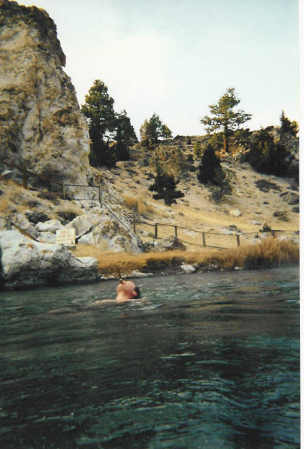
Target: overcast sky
176,57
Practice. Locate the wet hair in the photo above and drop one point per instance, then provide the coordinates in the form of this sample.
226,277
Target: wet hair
137,291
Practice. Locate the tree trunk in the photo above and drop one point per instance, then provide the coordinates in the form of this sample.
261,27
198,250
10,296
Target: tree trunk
226,140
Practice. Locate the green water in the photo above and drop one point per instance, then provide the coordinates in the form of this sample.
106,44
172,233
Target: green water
208,361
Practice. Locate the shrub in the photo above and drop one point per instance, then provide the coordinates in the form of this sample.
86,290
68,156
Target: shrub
165,186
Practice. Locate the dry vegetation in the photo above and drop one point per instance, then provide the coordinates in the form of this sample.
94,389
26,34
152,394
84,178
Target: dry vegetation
137,205
269,253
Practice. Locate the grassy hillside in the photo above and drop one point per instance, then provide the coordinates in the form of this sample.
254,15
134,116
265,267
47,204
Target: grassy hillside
256,198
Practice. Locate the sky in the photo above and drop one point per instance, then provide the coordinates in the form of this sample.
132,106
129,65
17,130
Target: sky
176,57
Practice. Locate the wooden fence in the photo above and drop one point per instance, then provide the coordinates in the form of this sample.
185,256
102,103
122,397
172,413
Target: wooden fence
206,238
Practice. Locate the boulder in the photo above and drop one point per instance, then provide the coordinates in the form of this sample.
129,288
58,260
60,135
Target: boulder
49,226
169,244
107,231
26,263
21,222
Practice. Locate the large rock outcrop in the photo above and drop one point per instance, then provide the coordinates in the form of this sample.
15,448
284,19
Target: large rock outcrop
43,135
26,263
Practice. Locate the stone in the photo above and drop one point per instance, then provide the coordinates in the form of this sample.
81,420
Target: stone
26,263
187,268
21,222
107,231
291,198
43,135
47,237
235,212
49,226
36,217
169,244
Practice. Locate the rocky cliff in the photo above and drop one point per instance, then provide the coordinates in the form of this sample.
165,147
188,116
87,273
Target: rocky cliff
43,135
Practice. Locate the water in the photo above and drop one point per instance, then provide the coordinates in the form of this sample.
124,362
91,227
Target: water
208,361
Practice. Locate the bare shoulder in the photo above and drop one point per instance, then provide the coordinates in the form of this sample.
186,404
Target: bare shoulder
102,302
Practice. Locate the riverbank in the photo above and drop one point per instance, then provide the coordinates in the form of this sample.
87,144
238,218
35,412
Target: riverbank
26,264
268,253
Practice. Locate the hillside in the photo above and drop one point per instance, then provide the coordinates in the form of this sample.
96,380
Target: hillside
255,199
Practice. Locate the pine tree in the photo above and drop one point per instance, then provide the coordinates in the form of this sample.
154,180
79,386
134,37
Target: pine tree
165,186
224,117
152,131
210,170
98,108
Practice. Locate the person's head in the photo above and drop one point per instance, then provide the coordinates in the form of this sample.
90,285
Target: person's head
127,289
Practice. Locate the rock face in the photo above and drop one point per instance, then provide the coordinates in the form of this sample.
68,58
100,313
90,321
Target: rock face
101,230
43,135
26,263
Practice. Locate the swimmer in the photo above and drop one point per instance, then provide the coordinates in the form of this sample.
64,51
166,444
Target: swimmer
126,292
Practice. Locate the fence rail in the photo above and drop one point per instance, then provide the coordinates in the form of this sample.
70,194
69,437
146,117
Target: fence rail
206,239
203,234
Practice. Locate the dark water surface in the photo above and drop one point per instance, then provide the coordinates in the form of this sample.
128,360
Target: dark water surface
209,361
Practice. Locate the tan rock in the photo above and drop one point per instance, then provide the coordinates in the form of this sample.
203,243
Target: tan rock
43,135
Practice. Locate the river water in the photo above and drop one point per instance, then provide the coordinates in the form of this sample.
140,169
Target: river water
206,361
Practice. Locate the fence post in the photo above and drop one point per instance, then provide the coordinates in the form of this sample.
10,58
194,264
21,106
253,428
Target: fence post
134,224
100,195
155,231
203,239
238,240
175,231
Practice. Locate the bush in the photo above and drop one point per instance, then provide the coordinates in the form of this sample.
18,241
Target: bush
165,186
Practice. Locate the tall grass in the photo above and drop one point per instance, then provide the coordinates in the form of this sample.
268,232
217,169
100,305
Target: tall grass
269,253
137,205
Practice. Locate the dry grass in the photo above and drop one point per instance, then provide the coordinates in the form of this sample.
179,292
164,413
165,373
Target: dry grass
137,205
4,205
269,253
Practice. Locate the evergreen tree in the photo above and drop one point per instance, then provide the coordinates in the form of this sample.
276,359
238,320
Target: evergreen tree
98,108
165,186
272,151
210,170
124,137
111,133
224,117
152,131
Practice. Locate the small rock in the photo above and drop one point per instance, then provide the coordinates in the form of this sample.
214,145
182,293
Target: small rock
187,268
291,198
139,274
235,212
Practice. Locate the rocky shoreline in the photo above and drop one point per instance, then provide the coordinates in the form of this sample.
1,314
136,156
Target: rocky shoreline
28,264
